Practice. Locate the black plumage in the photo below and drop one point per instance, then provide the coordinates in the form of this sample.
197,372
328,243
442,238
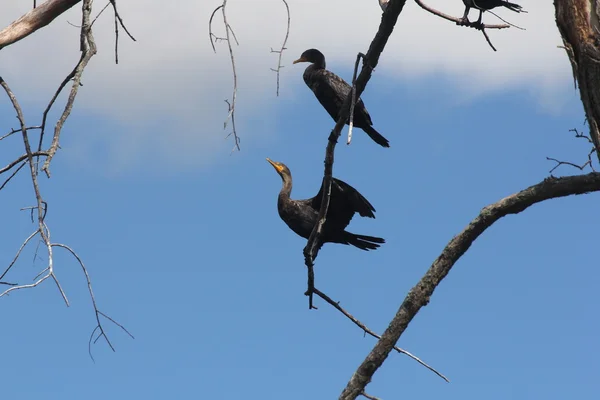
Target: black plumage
302,215
484,5
331,91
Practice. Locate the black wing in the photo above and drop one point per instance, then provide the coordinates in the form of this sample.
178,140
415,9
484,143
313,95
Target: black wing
331,91
345,202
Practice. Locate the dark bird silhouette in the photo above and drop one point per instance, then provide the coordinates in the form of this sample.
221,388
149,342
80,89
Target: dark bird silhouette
484,5
331,91
302,215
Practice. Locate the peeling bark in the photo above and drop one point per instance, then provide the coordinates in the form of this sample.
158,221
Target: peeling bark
578,22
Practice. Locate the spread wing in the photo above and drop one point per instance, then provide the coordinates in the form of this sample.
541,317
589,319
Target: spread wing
345,202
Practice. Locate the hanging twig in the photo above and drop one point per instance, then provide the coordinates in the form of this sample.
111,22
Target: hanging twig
229,34
280,51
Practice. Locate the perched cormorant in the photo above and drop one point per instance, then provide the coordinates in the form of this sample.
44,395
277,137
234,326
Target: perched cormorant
484,5
331,91
302,215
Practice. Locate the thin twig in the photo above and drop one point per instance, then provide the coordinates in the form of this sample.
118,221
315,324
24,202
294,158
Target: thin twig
13,131
14,260
15,172
280,51
98,313
559,163
228,36
21,158
365,329
118,21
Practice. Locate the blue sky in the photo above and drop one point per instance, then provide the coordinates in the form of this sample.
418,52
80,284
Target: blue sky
185,247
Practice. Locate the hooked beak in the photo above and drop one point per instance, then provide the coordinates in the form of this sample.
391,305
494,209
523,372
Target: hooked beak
277,167
301,59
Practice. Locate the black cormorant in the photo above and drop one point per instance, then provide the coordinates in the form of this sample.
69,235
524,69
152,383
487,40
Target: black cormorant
484,5
331,91
302,215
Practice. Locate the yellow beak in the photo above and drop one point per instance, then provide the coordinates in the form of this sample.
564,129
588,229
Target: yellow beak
300,60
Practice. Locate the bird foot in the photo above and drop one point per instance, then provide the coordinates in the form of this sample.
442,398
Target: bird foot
463,21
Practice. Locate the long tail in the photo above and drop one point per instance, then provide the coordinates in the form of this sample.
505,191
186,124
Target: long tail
513,7
364,242
376,136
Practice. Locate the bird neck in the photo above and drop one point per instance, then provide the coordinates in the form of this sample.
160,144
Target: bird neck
286,188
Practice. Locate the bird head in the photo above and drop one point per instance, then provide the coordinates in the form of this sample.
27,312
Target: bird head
312,56
281,168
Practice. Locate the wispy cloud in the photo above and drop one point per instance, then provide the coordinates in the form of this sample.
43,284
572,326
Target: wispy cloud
167,93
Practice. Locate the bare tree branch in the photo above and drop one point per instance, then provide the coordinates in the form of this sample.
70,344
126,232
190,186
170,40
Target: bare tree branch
229,34
88,50
365,329
38,211
420,295
280,51
98,313
35,19
119,21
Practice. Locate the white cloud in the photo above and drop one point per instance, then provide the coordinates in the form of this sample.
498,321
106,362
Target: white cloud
168,89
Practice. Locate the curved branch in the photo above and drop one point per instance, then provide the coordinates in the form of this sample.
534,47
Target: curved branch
418,297
35,19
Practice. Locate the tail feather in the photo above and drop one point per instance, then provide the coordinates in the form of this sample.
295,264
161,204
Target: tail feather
364,242
376,136
513,7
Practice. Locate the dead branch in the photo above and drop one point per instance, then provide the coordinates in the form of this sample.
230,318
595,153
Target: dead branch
98,313
88,50
13,131
35,19
365,329
38,211
118,21
419,295
280,51
229,34
589,155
